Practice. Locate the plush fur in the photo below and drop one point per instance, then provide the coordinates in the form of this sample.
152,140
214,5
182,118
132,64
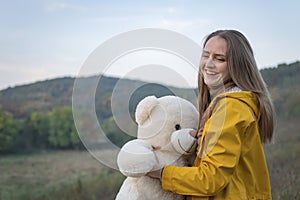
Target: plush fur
162,139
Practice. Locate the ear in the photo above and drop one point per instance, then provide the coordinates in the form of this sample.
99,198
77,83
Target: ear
144,108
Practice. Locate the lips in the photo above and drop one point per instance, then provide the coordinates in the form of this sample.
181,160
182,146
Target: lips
208,72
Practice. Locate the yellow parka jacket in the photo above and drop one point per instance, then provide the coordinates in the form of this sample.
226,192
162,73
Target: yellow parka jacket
230,162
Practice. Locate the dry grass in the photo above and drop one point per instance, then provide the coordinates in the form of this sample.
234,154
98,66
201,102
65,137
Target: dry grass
33,176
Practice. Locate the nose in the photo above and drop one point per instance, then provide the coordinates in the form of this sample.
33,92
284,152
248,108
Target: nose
209,62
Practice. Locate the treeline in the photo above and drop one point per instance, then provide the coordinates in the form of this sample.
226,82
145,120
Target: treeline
54,130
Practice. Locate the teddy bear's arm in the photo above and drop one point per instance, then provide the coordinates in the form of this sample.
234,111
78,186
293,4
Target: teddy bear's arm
136,158
183,142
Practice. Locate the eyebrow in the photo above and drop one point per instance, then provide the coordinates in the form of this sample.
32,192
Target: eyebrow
217,54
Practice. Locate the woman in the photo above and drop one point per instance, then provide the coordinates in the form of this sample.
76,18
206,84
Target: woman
237,116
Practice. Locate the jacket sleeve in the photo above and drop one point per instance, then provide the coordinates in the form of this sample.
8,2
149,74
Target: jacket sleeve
221,149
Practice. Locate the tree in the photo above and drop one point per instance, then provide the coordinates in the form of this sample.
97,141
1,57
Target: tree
62,131
37,130
114,133
8,131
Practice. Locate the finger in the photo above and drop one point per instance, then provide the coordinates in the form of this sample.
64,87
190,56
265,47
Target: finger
193,133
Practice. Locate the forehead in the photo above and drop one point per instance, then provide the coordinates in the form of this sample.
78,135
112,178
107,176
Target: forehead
216,45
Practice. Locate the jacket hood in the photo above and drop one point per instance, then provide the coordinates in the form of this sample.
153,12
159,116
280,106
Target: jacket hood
246,97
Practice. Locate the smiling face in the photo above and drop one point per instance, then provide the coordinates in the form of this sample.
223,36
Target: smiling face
214,62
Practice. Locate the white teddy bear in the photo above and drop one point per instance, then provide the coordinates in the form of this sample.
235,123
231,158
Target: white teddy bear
163,139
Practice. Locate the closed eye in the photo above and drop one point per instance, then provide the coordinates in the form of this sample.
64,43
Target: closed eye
205,56
221,59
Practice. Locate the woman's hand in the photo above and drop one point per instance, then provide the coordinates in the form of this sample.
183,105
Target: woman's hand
193,133
196,134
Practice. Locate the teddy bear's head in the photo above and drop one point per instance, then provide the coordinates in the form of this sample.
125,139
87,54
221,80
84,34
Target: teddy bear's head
162,136
158,118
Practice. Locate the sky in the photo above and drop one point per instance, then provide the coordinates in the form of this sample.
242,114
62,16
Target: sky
46,39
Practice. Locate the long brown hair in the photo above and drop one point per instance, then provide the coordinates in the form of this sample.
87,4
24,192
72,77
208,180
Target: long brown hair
245,75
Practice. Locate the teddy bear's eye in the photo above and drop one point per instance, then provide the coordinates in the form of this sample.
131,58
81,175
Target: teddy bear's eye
177,127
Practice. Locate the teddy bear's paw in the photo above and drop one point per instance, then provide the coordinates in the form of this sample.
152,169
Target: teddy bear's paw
136,158
183,142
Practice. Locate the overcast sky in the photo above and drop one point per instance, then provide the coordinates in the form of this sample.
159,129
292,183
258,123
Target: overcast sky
45,39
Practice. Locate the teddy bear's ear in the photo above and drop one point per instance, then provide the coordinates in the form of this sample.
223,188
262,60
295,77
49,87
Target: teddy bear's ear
144,108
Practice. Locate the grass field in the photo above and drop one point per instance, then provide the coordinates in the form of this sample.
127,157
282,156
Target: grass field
284,161
56,175
77,175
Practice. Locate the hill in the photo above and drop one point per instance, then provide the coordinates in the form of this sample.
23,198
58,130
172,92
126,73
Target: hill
40,96
283,82
46,95
283,76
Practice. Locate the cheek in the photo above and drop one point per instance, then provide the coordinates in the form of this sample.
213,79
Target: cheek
222,68
201,66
